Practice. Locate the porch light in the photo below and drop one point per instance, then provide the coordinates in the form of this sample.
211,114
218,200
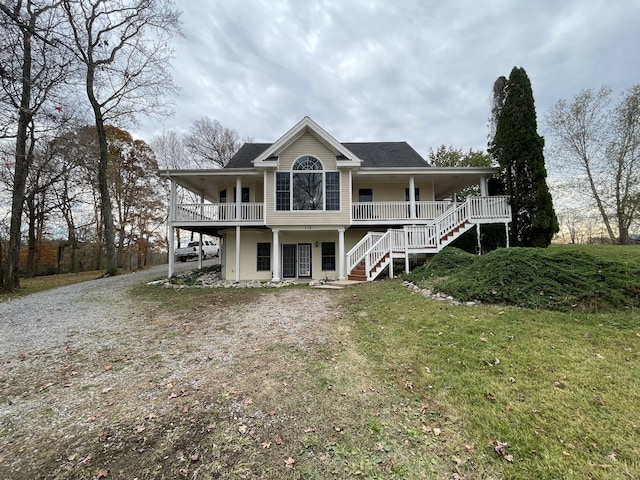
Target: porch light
316,244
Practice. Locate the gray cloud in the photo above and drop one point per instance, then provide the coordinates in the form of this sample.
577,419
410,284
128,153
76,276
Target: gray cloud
420,71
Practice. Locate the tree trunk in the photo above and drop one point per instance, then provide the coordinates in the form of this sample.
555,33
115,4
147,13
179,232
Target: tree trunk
103,181
12,281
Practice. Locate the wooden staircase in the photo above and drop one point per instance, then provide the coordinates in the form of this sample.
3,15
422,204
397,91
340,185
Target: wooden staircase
359,273
377,250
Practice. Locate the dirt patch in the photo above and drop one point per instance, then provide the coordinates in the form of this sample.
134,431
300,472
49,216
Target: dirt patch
133,394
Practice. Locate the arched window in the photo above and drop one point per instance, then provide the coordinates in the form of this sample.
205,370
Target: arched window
310,186
307,184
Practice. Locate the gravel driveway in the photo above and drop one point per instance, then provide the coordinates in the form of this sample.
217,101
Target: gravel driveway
49,318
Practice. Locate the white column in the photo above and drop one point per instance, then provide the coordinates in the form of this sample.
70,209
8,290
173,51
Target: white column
172,216
237,253
238,198
478,236
341,254
506,229
412,197
275,248
484,190
201,251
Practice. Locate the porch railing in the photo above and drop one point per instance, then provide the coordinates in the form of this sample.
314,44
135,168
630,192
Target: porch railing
367,211
219,212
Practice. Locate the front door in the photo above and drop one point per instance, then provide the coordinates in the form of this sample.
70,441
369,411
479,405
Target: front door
289,254
304,260
296,260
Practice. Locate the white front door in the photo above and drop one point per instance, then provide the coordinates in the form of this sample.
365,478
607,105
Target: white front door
304,260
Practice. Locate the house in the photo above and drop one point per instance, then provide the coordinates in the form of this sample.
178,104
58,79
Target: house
308,206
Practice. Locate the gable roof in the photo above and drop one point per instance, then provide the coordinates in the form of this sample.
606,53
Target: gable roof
372,154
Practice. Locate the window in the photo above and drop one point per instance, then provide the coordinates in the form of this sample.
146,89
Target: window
333,190
328,256
282,191
365,195
307,187
307,184
223,196
264,257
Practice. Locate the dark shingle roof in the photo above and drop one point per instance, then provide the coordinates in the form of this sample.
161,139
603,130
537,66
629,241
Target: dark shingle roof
372,154
387,154
247,153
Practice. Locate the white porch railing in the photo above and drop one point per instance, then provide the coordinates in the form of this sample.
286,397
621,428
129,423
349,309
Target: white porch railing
368,211
430,237
357,253
219,212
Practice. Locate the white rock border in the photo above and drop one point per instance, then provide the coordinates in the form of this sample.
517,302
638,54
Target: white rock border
440,297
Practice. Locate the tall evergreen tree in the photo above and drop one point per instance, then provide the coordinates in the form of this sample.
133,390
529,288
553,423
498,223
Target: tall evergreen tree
518,149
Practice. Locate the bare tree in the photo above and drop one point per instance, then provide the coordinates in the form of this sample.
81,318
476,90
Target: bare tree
170,150
124,48
211,144
597,146
31,68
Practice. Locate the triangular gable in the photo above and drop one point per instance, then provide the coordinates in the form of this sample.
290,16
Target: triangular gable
344,156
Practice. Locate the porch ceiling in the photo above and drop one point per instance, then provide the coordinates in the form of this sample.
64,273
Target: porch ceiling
446,181
208,183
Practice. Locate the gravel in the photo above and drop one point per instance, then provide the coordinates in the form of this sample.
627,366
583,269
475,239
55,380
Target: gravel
46,319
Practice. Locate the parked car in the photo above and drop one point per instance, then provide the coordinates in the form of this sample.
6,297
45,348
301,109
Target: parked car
192,250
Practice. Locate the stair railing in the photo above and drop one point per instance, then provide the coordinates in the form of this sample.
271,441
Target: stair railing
359,251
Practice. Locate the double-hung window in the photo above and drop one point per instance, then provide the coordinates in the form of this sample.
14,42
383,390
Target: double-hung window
263,256
328,256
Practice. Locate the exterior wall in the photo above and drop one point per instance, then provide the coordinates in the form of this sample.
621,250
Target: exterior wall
248,252
307,144
256,189
393,192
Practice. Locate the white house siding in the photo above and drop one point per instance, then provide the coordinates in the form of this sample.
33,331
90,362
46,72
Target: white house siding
256,189
307,144
248,252
393,192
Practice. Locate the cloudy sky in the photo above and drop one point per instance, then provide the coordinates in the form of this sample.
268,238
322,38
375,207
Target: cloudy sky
390,70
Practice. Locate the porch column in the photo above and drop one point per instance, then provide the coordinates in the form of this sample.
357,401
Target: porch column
237,253
412,197
201,251
484,190
341,254
238,198
172,216
506,229
478,236
276,256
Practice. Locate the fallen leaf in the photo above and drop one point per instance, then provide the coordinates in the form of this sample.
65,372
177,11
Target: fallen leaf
309,430
106,390
185,409
279,441
437,431
265,444
108,367
289,462
211,426
140,428
194,457
243,429
151,416
597,355
490,397
501,449
92,418
102,473
483,339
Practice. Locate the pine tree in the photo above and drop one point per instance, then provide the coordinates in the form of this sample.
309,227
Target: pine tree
518,149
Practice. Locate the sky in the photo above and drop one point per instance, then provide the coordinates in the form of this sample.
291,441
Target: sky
420,71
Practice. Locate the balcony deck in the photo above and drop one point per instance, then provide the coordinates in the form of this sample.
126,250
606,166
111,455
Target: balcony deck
483,210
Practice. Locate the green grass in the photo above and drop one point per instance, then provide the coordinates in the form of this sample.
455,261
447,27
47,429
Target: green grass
558,388
48,282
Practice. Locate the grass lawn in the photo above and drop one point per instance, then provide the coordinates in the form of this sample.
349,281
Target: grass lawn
559,389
